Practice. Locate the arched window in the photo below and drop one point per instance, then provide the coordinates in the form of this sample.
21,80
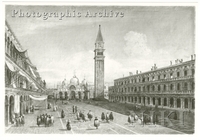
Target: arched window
158,87
153,88
193,85
148,88
186,86
158,77
178,86
185,72
171,86
164,87
143,88
193,72
171,75
178,74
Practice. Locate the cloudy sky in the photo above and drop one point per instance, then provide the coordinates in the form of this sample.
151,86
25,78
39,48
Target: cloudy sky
135,39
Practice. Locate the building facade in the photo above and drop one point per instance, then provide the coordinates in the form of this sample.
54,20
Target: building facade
72,90
99,66
168,87
21,78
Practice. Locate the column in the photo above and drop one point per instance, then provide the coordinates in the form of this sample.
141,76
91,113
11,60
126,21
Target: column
142,103
7,122
151,101
168,100
146,101
189,103
133,98
182,103
156,101
175,102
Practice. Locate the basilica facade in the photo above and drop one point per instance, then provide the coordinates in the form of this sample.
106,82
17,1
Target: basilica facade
72,90
172,87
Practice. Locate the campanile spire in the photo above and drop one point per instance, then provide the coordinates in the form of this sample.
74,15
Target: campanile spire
99,66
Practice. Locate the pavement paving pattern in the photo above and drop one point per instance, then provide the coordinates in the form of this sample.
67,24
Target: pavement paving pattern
118,126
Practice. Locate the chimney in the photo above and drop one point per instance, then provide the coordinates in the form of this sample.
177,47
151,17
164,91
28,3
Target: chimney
191,57
136,71
181,60
140,71
170,62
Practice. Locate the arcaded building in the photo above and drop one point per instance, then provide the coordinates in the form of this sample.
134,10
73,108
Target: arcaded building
172,86
21,78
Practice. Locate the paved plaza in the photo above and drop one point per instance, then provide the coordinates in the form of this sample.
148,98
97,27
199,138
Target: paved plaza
118,126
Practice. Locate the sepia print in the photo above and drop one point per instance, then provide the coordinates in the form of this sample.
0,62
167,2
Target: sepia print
99,69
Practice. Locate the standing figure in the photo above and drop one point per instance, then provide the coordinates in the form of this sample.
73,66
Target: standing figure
107,117
129,119
78,115
111,116
23,120
96,122
38,121
73,109
90,115
76,109
62,114
103,116
83,117
68,125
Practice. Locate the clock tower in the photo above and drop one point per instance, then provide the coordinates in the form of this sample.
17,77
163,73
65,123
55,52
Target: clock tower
99,66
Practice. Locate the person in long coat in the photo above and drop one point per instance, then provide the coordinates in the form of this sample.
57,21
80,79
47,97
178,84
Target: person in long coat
68,125
103,116
129,119
90,115
38,120
96,122
73,109
107,117
76,109
62,114
23,120
111,116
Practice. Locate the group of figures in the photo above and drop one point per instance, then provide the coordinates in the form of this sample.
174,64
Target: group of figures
19,120
108,117
143,119
45,119
30,109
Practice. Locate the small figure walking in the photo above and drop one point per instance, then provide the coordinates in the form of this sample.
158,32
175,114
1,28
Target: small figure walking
96,122
62,114
107,117
68,125
111,116
103,116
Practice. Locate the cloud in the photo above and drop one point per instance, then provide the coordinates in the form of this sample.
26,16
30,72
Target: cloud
136,44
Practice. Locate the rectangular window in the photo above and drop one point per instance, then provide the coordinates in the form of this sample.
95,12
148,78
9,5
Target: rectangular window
99,53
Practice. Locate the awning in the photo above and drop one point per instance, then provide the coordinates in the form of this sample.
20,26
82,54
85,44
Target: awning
25,77
32,72
11,67
34,85
39,98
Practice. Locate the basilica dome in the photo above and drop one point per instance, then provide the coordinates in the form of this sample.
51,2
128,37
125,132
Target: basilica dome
84,82
64,83
74,81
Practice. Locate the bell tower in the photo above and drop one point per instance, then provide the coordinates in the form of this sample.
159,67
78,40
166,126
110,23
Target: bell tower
99,65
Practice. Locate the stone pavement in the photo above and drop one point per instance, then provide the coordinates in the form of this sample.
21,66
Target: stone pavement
118,126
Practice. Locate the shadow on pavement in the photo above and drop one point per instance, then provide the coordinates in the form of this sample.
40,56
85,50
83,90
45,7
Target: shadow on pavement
63,130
